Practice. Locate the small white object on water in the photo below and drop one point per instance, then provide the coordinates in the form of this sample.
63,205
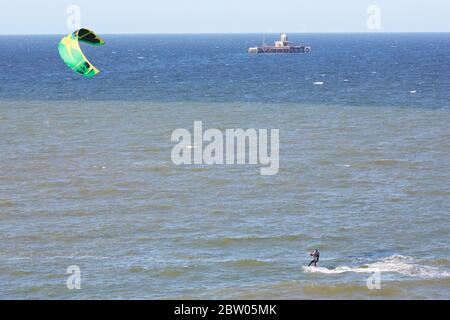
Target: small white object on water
318,83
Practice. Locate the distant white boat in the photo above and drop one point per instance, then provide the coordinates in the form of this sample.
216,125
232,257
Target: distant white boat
282,46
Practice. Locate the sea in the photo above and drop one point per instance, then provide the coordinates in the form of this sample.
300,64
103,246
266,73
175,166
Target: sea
93,207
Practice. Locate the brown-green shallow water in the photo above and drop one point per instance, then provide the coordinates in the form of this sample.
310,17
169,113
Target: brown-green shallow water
92,184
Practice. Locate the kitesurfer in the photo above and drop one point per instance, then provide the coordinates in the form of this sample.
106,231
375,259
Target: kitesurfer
315,254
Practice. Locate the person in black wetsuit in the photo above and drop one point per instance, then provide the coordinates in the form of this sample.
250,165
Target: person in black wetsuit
315,254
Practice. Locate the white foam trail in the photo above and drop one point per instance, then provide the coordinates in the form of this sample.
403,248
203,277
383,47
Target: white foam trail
403,265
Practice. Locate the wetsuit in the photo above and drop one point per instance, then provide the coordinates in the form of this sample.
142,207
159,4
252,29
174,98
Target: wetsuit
315,255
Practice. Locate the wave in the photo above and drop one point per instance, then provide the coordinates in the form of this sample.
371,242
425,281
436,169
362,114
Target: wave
430,193
171,272
100,192
348,291
164,169
246,263
218,182
441,261
404,265
227,241
386,162
6,203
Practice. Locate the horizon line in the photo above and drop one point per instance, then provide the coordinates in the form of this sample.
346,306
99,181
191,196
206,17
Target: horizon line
234,33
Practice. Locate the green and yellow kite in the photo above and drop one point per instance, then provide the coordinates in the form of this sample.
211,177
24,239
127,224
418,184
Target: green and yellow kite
73,57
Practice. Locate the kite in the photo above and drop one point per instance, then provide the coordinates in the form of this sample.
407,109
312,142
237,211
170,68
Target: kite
73,57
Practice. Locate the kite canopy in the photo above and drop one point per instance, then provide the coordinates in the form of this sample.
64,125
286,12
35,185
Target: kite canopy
73,57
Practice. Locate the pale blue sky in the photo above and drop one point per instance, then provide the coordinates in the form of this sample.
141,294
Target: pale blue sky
222,16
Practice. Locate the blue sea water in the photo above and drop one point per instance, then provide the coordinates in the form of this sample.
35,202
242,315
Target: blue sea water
374,69
86,177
